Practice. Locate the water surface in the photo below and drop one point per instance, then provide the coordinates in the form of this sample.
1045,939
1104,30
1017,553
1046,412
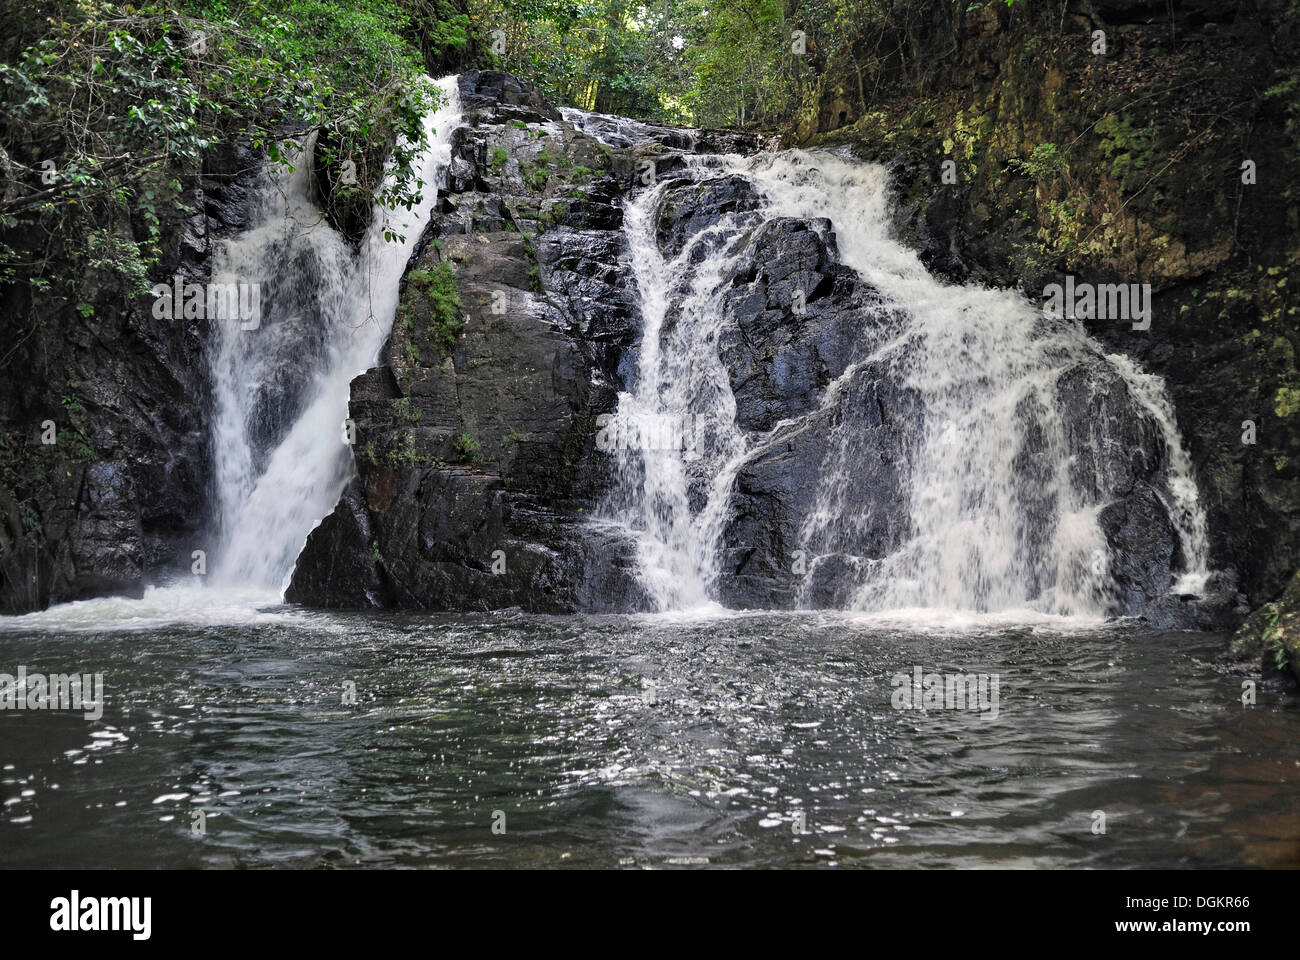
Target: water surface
637,742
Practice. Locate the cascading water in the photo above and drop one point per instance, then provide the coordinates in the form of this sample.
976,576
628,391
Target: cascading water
623,132
282,388
682,388
1003,491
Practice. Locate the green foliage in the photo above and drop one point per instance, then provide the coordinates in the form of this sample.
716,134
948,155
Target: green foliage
1276,647
1287,92
404,452
1044,163
693,61
497,157
28,468
1287,401
109,105
439,285
467,448
403,408
1128,149
444,27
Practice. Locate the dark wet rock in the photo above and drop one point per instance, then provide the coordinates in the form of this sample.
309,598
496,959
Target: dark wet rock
633,135
798,321
345,577
797,318
120,500
1221,259
475,453
691,207
507,96
1143,545
1269,640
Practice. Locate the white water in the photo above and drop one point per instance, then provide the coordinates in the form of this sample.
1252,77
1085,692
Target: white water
616,131
280,460
269,504
986,366
681,376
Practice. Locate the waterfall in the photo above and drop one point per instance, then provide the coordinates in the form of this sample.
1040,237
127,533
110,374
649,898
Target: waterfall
1003,489
282,388
681,376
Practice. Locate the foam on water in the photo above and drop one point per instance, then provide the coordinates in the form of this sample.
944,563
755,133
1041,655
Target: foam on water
163,607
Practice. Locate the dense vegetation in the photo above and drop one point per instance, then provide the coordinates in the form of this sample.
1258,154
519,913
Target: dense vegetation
706,63
107,106
98,95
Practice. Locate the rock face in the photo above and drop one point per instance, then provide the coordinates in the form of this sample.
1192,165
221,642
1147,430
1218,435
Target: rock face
477,468
118,500
1269,640
781,364
476,457
476,436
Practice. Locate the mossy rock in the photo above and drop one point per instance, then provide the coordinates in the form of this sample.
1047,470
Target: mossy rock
1270,637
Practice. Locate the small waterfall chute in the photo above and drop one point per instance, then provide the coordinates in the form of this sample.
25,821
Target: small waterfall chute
280,459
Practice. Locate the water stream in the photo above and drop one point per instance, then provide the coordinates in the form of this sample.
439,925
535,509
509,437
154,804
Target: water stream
281,460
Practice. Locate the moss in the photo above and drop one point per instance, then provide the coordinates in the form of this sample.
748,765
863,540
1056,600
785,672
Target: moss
535,177
439,285
1287,401
1045,162
534,270
402,405
497,157
1128,149
404,453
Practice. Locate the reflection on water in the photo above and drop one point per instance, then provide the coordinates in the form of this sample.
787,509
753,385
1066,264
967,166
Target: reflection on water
657,741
